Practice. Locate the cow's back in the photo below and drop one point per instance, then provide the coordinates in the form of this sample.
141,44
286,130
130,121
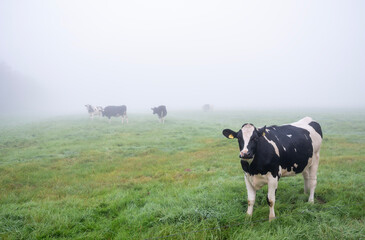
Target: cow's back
287,147
314,129
114,111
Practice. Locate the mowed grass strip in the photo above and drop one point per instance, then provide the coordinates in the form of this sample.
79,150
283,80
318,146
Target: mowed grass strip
73,178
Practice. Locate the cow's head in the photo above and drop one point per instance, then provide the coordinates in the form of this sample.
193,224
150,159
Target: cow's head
247,136
89,108
154,109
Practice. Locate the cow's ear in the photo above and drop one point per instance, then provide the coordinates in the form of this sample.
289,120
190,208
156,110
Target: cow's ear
228,133
262,131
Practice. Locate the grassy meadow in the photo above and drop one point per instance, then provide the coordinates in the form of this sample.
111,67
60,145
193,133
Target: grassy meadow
74,178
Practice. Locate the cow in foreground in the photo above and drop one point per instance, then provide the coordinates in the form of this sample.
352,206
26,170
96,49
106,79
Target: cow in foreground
269,153
93,111
116,111
161,112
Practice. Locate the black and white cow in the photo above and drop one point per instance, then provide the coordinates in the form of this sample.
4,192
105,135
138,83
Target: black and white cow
93,111
269,153
161,112
116,111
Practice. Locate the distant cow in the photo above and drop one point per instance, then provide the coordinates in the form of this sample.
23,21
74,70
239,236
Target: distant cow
115,111
207,107
269,153
161,112
93,111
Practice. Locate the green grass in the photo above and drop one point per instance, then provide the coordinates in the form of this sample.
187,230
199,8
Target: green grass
73,178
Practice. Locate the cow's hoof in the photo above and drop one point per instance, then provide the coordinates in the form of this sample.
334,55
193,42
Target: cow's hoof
271,219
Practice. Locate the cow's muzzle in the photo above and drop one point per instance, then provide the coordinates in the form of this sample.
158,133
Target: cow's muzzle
245,155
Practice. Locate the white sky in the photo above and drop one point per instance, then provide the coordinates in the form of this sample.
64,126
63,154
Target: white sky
184,53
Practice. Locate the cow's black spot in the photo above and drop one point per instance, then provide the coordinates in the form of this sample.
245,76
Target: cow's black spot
316,127
268,201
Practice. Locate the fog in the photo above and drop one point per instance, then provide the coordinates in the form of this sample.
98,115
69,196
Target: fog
57,56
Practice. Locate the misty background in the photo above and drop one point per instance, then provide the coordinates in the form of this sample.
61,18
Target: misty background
57,56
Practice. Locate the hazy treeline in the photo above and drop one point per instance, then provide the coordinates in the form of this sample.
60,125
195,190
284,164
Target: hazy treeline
18,93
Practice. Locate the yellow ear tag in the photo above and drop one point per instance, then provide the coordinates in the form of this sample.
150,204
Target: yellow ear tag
263,134
230,136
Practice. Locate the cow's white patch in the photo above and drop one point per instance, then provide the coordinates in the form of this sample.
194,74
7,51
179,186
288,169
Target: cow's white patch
285,172
295,165
274,145
249,161
302,122
258,181
247,132
280,172
267,130
289,135
251,195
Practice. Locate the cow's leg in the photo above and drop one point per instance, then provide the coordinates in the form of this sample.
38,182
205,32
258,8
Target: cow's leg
126,118
122,119
313,176
272,186
306,179
251,196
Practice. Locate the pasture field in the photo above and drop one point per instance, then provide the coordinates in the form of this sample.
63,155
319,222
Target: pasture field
73,178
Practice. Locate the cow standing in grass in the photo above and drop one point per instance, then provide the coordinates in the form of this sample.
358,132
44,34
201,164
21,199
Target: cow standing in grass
116,111
161,112
93,111
269,153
